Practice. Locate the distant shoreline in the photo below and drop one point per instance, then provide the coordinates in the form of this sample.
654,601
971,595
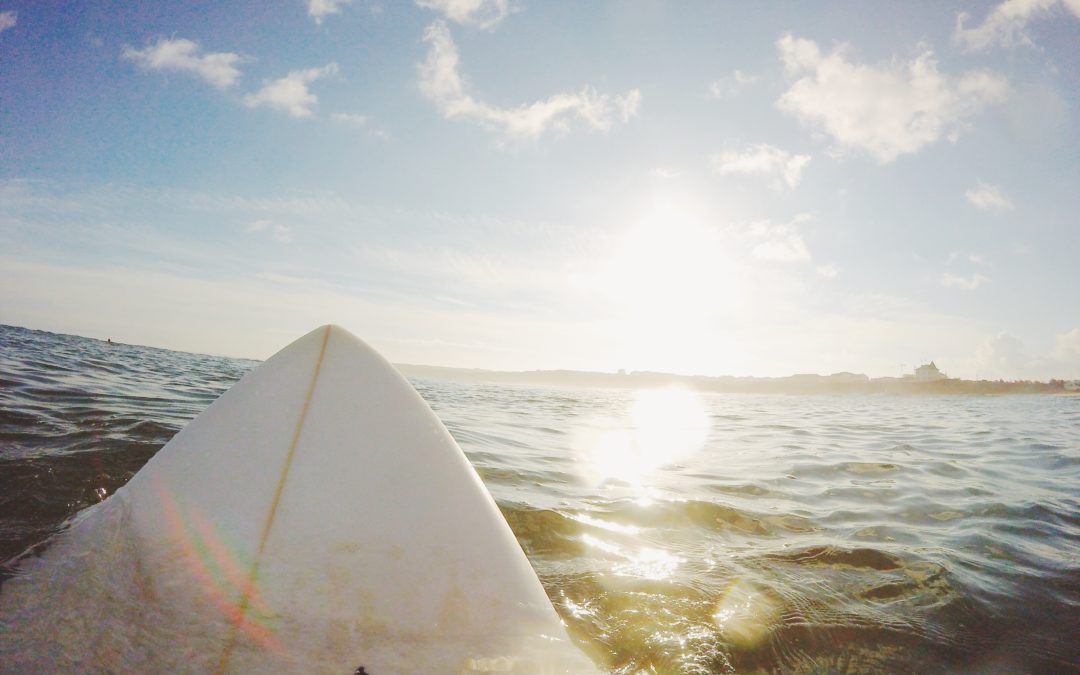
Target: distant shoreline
838,383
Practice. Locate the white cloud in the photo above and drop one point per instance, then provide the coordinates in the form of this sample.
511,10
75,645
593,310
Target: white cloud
350,119
886,110
441,82
8,19
216,68
828,271
967,283
1006,24
763,159
779,242
290,93
730,85
320,9
986,197
480,13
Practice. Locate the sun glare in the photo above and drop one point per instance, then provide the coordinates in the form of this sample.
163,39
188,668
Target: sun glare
661,426
663,280
663,264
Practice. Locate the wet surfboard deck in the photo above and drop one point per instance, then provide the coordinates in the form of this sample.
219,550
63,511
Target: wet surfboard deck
317,517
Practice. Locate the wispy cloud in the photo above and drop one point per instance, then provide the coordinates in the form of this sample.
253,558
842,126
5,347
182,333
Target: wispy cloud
1006,24
730,85
290,94
480,13
828,271
441,81
357,121
986,197
277,231
763,160
185,56
664,174
777,242
966,283
8,19
350,119
974,258
320,9
885,110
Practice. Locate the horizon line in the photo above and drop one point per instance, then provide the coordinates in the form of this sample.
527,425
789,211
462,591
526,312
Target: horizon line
571,371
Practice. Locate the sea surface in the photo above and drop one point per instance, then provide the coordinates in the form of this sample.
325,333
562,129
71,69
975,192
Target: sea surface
675,532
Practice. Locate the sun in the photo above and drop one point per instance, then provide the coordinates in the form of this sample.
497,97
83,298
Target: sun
663,280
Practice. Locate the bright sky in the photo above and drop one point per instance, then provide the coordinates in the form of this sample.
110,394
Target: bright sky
694,187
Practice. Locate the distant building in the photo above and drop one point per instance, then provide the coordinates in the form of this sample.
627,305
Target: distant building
929,373
1072,385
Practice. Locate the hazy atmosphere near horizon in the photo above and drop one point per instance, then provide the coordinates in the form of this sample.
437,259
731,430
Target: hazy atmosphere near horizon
699,187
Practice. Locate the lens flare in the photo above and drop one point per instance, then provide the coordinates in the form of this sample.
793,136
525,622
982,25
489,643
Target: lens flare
221,571
745,614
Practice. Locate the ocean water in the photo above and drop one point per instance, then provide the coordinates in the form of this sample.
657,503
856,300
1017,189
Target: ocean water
675,532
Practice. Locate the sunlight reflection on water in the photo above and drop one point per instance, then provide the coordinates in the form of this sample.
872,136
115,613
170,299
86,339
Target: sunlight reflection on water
661,427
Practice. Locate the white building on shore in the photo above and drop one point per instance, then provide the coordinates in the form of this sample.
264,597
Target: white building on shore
929,372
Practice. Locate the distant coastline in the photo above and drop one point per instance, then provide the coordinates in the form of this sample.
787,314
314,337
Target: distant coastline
837,383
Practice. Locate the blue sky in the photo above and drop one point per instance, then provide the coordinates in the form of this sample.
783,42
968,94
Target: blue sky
713,188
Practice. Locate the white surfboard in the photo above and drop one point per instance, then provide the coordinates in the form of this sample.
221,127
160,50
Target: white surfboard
316,518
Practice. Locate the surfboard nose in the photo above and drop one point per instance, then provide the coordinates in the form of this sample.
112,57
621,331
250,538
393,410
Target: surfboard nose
322,494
